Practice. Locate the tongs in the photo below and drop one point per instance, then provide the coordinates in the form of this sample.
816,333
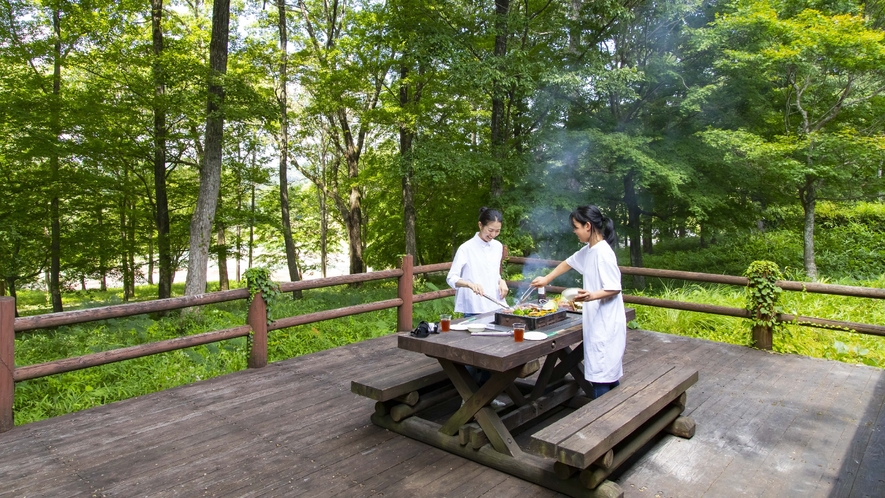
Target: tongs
524,296
499,303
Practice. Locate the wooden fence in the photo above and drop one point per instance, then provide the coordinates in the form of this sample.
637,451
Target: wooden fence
761,335
257,323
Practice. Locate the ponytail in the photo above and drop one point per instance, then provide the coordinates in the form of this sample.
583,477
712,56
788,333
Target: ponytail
592,215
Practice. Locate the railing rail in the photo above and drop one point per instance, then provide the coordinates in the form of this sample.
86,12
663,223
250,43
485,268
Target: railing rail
764,341
258,327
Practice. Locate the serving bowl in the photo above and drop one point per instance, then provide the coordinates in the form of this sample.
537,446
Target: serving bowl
571,293
476,327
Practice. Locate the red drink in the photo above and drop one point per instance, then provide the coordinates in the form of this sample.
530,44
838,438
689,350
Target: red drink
518,332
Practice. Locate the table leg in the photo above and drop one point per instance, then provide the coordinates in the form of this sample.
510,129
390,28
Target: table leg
545,374
516,395
571,363
476,400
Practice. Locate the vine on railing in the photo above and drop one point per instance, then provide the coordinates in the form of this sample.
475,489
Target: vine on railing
763,294
258,280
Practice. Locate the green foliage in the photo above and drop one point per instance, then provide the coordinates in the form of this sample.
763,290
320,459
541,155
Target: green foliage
72,391
763,294
791,338
848,243
55,395
258,281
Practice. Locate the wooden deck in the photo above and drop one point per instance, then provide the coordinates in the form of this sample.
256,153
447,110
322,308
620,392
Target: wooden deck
767,425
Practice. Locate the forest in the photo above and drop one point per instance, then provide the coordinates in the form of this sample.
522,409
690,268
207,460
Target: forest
141,138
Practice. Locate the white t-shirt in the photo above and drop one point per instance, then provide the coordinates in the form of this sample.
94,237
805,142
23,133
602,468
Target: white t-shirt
479,262
605,324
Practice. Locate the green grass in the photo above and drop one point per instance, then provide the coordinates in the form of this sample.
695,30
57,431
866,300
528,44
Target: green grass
55,395
809,341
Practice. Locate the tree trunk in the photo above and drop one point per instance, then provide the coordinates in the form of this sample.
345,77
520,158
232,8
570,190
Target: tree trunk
354,232
239,234
223,279
164,249
102,259
251,226
124,261
808,197
283,102
498,124
210,173
324,231
130,245
150,255
54,216
353,218
9,283
221,252
633,227
406,136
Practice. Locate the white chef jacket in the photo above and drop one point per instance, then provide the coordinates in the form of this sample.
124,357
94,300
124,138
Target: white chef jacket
479,262
605,323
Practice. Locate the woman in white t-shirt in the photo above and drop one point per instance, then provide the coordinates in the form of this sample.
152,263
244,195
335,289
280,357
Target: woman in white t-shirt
476,268
605,323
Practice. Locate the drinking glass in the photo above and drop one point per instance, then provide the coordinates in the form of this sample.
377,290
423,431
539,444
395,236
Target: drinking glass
445,322
518,332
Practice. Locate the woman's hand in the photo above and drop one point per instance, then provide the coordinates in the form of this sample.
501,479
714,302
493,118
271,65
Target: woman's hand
476,288
540,282
502,289
583,296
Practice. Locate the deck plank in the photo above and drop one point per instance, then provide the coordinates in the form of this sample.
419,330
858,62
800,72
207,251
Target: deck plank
767,424
869,479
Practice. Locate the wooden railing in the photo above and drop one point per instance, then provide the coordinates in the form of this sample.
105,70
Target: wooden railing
258,327
761,336
256,324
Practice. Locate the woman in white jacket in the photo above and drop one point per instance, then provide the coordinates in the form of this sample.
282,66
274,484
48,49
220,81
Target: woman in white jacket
476,269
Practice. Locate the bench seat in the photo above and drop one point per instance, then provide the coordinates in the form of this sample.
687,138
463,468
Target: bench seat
402,379
591,432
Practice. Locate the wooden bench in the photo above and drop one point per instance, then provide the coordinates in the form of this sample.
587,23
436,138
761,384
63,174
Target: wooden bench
600,435
400,381
413,385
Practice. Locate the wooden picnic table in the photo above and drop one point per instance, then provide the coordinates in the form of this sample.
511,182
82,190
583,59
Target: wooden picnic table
457,415
505,359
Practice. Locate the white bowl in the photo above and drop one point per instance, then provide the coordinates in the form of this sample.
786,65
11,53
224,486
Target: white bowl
571,293
476,327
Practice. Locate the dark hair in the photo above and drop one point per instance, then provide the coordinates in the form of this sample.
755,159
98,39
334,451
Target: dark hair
592,215
487,216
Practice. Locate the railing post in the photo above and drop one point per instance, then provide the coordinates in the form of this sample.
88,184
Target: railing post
762,337
404,292
258,321
7,362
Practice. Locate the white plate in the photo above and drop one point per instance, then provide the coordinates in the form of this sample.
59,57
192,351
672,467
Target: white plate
463,326
534,336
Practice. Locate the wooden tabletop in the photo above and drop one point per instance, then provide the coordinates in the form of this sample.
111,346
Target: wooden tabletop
498,354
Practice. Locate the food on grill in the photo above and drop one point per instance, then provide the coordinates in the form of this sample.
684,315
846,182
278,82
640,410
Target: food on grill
535,310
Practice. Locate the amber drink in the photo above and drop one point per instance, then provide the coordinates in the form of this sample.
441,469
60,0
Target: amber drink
445,322
518,332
